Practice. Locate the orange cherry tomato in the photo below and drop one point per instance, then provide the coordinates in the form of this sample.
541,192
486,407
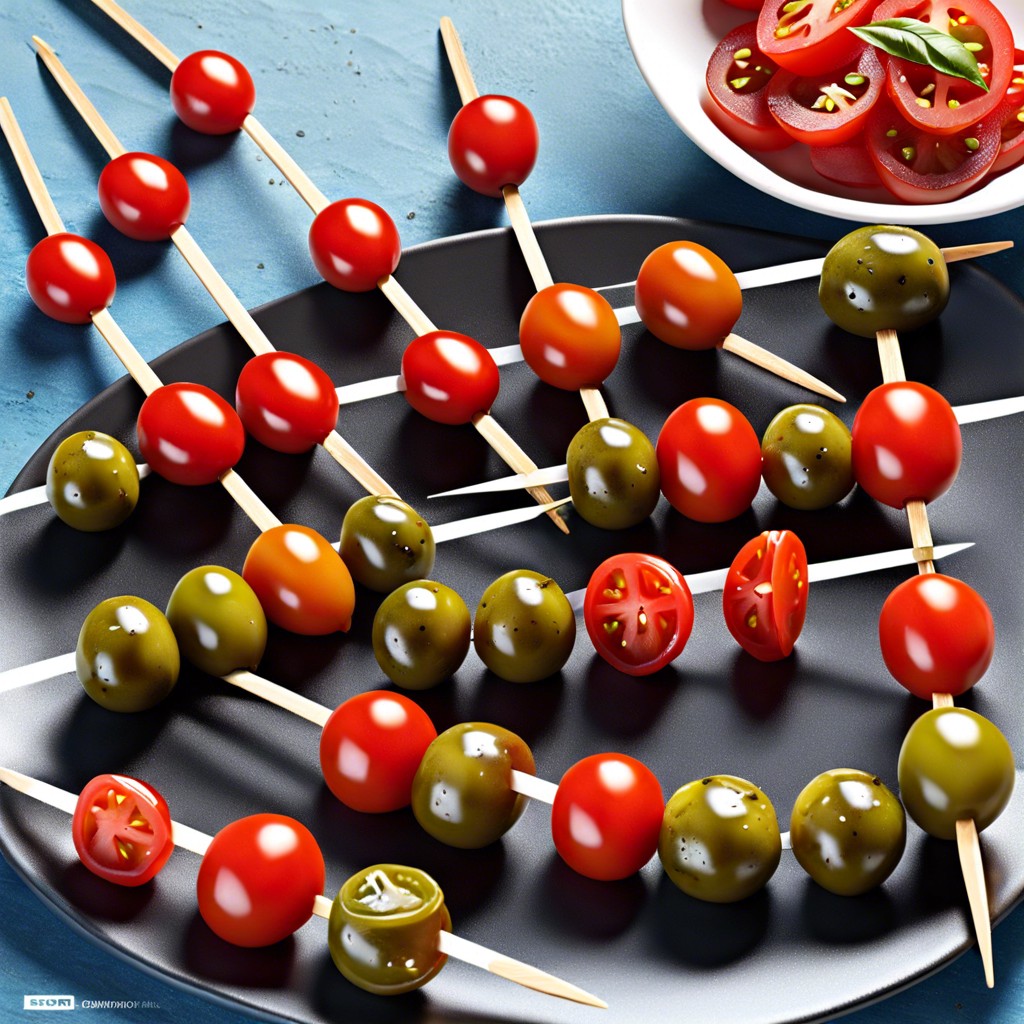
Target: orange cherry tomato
569,336
69,278
354,243
144,196
212,92
687,296
300,580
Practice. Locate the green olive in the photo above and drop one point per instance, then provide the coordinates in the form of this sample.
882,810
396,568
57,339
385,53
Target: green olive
524,627
217,620
462,792
92,481
127,658
806,457
385,543
954,765
848,831
883,277
384,929
421,634
614,478
719,839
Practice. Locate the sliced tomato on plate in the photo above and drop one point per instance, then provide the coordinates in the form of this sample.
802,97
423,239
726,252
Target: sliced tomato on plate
1011,118
809,37
847,164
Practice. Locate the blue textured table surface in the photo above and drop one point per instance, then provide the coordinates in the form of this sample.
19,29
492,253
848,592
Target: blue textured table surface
360,94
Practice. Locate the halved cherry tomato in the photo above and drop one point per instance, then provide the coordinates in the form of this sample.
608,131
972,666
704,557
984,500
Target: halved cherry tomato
258,879
449,377
906,444
828,108
1011,119
710,460
354,244
570,336
809,37
937,635
493,142
848,164
371,747
212,92
607,815
144,196
639,612
765,594
944,104
189,434
736,79
122,829
286,402
300,580
687,296
69,278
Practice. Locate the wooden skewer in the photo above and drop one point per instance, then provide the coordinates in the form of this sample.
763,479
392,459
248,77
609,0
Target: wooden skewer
760,356
191,839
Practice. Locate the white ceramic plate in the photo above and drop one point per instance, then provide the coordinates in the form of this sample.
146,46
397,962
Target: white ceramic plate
672,41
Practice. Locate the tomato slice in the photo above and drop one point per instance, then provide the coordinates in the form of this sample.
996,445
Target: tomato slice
941,103
848,163
639,612
121,829
737,77
1011,119
919,167
809,37
827,109
765,595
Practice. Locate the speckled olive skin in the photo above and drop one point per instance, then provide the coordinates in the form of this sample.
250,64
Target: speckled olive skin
92,481
524,628
806,457
421,634
462,792
719,839
848,831
384,926
218,620
385,543
954,765
883,277
127,658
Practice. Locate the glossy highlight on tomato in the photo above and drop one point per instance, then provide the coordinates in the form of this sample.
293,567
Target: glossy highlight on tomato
212,92
765,594
639,612
492,143
258,879
122,829
449,377
144,196
370,749
189,434
69,278
354,244
606,817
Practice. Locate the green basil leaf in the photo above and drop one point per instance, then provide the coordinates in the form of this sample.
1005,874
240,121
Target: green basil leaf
914,40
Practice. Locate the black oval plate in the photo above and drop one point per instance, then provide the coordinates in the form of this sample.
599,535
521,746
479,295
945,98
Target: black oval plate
649,950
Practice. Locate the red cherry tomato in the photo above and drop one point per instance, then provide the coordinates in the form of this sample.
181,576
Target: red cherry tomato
570,336
69,278
1011,119
122,829
945,104
449,377
687,296
258,879
286,402
906,444
492,143
737,77
354,243
144,196
810,37
300,580
710,460
765,594
937,635
370,749
639,612
212,92
189,434
607,815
